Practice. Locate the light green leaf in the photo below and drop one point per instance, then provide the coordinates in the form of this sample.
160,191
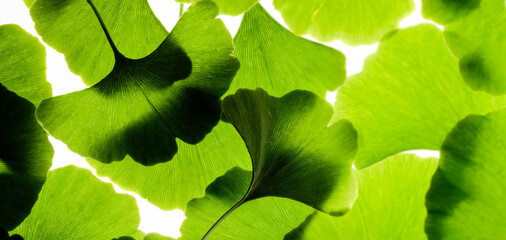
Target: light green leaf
409,96
466,197
156,236
390,204
352,21
229,7
25,152
477,40
171,185
143,105
289,143
275,59
71,27
74,204
264,218
23,64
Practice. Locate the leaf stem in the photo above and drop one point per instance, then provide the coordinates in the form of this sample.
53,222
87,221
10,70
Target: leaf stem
223,217
181,9
104,28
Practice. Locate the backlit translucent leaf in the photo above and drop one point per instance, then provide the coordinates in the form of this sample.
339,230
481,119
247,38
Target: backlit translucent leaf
445,11
477,40
143,105
390,204
275,59
466,197
229,7
25,152
23,64
409,96
74,204
71,27
289,143
264,218
353,21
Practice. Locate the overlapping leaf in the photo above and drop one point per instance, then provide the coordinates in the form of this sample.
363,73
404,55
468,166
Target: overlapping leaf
71,27
229,7
264,218
289,143
25,152
143,105
74,204
273,58
409,95
353,21
466,197
390,204
445,11
477,39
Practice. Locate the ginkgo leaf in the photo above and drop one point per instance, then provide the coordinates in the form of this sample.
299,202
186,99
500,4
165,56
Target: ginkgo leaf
144,104
289,143
477,40
74,204
71,27
23,64
390,204
25,152
273,58
409,96
466,197
156,236
264,218
352,21
229,7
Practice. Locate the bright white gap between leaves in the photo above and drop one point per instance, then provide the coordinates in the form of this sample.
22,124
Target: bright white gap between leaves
64,81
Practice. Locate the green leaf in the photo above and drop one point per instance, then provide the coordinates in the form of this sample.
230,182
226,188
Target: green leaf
25,152
71,27
156,236
143,105
247,222
445,11
409,96
390,204
171,185
23,64
466,197
352,21
275,59
477,40
229,7
74,204
289,143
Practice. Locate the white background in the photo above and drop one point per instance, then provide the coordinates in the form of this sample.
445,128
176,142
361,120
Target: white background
63,81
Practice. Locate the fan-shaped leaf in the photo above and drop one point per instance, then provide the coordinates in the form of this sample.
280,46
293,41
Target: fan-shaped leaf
408,96
143,105
466,197
353,21
390,204
74,204
229,7
275,59
25,152
289,143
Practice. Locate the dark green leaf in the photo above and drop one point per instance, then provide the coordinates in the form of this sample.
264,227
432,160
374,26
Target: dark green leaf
25,152
353,21
445,11
275,59
143,105
74,204
390,204
409,96
466,197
